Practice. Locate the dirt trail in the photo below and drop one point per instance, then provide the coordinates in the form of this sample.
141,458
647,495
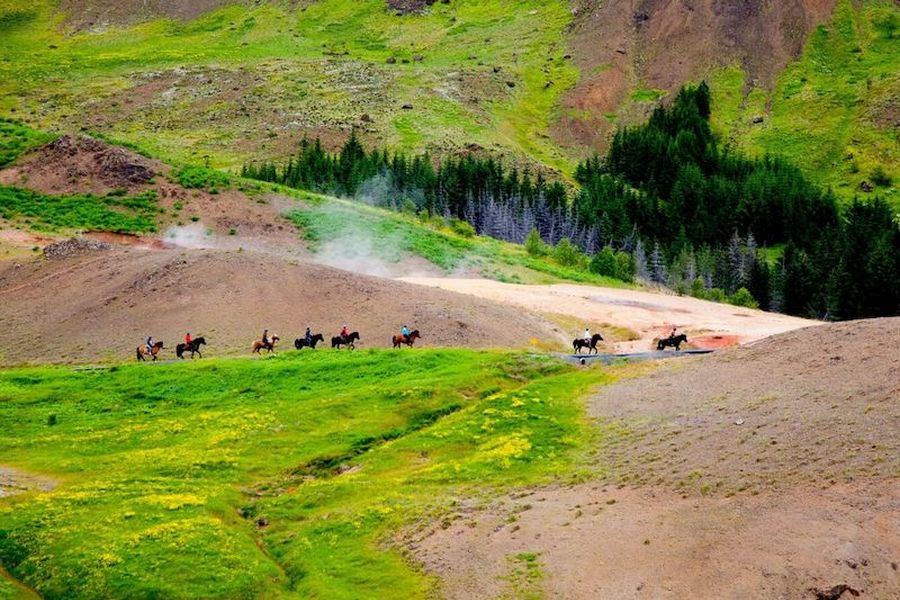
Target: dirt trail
649,314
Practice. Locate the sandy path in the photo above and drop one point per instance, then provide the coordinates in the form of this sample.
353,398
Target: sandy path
649,314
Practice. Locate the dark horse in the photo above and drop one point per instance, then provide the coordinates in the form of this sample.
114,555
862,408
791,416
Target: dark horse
193,347
409,341
302,343
579,343
339,340
674,341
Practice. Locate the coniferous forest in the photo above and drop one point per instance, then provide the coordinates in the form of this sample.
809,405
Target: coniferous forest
668,204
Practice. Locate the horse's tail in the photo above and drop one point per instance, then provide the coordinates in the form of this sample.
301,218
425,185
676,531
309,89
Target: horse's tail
138,352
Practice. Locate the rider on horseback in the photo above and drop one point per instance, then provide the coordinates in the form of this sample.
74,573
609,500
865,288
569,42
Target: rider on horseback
308,336
187,339
404,331
345,332
265,338
149,344
587,335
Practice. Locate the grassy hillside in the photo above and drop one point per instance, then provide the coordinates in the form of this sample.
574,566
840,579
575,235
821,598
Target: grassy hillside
835,112
284,477
246,81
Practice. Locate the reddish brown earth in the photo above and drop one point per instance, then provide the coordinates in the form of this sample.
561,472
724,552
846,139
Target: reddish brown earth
196,218
100,305
768,471
623,45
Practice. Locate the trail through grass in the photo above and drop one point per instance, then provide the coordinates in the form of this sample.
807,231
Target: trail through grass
281,477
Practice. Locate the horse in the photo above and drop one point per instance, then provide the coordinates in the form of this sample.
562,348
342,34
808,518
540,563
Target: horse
260,345
301,342
142,351
339,340
193,347
399,339
674,341
579,343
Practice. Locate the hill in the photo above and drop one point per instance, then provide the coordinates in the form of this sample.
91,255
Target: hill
541,82
769,469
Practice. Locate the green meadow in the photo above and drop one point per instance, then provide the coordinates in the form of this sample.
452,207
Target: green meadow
291,476
833,113
325,65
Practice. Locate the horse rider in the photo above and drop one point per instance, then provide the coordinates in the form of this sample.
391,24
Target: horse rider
265,338
187,339
308,336
345,333
149,344
587,335
404,331
672,335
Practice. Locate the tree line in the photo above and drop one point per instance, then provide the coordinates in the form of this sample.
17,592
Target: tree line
667,204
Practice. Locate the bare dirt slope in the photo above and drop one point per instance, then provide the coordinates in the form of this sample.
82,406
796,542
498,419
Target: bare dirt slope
624,45
770,471
647,314
194,218
100,304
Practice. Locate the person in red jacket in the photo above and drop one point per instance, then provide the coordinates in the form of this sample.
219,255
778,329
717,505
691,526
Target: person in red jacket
187,338
345,332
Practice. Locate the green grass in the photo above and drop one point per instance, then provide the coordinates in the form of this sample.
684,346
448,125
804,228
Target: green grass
828,113
16,139
135,214
323,66
347,230
282,477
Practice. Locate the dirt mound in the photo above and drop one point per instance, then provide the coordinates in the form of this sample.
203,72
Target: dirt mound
765,471
624,45
73,247
101,305
82,164
817,406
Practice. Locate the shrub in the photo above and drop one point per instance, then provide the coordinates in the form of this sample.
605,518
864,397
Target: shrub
567,254
880,177
462,228
604,263
534,245
744,298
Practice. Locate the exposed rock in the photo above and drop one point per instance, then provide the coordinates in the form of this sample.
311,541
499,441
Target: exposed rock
834,593
72,247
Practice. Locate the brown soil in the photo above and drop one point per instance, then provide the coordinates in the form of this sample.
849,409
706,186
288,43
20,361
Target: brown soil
88,14
622,45
193,218
73,164
594,542
646,315
13,481
101,305
765,471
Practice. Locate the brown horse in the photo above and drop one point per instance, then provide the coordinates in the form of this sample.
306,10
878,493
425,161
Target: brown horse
142,351
399,339
259,345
